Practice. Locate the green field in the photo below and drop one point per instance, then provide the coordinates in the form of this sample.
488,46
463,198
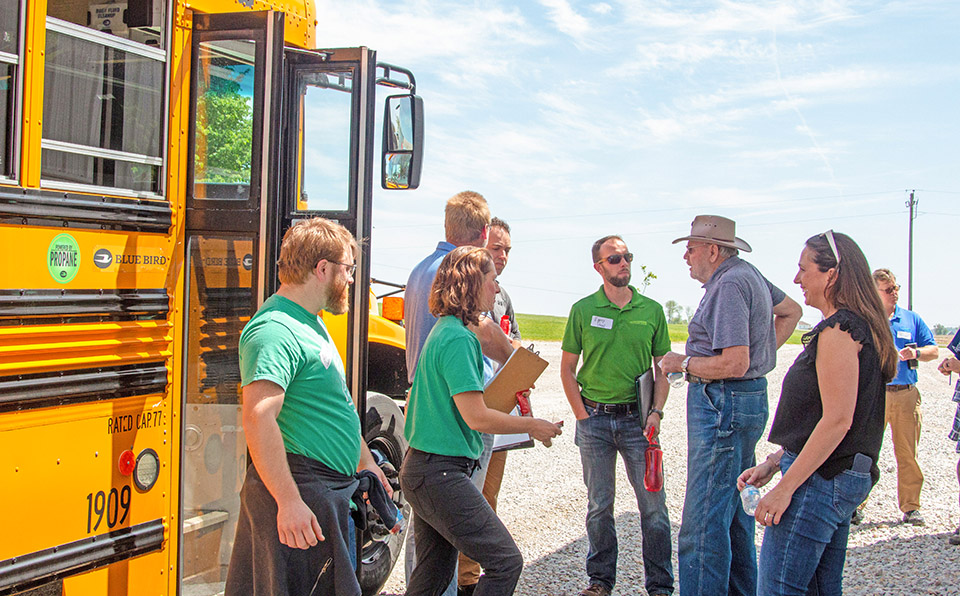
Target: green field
550,328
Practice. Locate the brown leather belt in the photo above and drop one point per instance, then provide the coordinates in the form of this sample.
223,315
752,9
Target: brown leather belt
624,408
696,379
895,388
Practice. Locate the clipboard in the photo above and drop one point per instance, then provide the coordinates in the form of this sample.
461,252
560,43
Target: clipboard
518,373
644,387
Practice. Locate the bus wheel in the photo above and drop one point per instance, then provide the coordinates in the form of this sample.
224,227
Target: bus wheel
380,549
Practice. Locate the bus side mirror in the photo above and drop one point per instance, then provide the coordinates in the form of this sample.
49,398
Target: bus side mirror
402,142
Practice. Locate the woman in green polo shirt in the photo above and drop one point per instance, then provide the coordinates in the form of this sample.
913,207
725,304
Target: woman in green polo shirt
445,416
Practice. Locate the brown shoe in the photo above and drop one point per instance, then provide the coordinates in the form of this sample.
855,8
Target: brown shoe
595,590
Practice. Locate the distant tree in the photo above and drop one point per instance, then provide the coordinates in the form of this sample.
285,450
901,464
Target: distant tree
674,311
940,329
689,310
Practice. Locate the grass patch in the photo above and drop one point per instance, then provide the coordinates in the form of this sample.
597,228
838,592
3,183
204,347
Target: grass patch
541,327
550,328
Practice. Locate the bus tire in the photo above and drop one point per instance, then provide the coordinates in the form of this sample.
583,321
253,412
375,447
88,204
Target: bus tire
380,549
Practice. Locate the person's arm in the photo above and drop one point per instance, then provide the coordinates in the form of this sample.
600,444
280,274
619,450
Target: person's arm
568,378
296,524
481,418
786,315
923,354
367,462
838,375
730,363
493,341
661,387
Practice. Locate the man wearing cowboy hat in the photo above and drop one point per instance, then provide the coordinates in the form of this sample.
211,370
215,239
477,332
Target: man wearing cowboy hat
733,340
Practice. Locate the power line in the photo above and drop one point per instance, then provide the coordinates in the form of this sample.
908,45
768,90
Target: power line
662,210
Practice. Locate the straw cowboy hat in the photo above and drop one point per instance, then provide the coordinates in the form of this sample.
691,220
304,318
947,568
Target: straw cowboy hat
714,229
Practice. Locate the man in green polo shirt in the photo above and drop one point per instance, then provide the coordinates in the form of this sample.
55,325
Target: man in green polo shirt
301,427
621,334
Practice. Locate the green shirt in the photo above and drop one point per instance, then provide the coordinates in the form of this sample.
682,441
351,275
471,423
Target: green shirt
287,345
617,344
450,363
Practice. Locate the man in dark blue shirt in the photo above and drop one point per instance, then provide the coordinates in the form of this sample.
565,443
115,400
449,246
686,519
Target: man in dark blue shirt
914,342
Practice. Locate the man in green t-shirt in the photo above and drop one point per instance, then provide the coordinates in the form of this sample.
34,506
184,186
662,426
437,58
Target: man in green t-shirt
301,426
621,334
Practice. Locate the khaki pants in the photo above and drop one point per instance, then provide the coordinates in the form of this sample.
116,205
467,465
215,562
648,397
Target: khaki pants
468,569
903,416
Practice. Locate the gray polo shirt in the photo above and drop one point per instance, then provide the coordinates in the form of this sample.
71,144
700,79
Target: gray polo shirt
737,310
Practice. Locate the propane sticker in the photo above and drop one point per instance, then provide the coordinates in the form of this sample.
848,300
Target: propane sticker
63,258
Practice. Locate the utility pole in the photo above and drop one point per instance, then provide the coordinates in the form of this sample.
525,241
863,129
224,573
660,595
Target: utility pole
912,204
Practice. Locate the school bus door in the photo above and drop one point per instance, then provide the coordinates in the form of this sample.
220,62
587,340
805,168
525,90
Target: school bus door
230,204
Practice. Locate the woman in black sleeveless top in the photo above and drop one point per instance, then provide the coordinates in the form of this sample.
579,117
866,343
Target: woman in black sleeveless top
829,422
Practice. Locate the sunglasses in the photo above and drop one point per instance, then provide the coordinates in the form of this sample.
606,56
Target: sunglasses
891,290
833,244
615,259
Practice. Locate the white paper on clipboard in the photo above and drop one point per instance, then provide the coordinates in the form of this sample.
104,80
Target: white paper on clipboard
515,441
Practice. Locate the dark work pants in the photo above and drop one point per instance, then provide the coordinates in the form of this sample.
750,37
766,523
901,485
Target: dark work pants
451,516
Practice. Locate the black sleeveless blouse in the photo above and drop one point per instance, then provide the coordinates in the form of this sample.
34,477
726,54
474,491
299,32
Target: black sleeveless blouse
800,408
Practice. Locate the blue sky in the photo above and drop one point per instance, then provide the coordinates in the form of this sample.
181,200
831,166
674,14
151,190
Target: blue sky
581,119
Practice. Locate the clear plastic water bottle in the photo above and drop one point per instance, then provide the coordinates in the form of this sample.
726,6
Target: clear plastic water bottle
676,379
750,497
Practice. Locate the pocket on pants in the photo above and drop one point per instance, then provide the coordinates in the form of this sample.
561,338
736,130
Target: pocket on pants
749,410
849,490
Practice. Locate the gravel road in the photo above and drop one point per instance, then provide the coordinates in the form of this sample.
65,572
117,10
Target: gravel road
543,501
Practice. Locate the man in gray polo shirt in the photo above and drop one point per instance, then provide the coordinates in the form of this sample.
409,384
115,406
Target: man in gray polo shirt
733,340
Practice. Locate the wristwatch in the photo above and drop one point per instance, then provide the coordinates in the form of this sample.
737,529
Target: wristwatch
657,411
685,363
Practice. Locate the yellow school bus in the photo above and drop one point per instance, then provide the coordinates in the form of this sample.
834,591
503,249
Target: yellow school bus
152,154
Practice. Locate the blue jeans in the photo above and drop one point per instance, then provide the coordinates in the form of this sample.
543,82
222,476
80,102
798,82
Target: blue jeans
805,552
410,540
716,549
600,437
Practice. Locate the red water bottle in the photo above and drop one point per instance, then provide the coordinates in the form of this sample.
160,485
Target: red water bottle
505,324
653,475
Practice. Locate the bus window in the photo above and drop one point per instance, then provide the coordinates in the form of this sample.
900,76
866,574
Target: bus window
224,127
9,66
325,149
103,113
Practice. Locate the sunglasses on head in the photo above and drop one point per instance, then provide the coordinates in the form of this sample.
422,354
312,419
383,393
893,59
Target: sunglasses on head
833,244
615,259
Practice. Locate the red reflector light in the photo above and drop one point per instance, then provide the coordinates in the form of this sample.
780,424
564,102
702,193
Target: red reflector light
126,463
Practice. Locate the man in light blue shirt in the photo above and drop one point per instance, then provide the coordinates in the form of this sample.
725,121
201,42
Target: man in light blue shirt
914,342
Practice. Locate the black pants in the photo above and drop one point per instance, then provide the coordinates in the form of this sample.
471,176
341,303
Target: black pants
451,516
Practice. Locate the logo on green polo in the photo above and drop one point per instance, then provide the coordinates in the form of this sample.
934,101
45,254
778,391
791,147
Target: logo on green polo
63,258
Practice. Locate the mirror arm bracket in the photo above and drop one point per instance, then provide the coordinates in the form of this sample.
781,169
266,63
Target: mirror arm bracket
386,79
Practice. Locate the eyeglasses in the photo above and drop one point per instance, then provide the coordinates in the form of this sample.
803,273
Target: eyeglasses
891,290
833,244
615,259
352,269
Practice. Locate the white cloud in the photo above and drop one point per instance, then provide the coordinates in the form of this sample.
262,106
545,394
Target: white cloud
601,8
566,19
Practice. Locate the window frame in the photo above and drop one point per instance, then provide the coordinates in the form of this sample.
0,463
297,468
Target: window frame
162,55
15,127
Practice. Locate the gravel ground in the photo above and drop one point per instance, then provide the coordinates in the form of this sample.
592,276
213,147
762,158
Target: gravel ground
543,501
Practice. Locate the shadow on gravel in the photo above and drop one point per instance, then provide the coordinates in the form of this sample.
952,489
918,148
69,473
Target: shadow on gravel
562,572
924,564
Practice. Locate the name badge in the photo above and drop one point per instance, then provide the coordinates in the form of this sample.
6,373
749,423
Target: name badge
903,335
601,322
